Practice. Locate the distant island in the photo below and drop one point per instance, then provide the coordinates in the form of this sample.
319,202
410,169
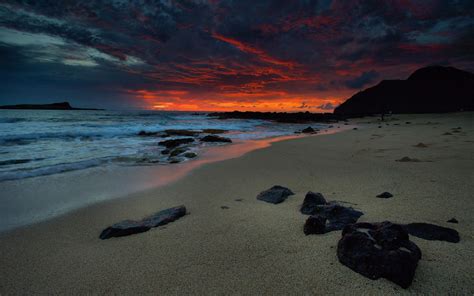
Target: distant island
433,89
53,106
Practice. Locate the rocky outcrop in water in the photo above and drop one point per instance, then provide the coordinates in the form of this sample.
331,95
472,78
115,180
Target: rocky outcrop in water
128,227
213,138
175,142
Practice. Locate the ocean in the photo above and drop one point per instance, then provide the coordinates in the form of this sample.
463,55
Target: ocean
44,142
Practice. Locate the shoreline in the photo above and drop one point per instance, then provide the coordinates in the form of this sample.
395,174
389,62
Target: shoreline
127,180
254,247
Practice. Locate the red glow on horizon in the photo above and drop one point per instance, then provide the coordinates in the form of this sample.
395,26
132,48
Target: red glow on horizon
178,100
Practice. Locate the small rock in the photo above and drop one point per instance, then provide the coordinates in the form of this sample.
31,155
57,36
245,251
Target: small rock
385,195
447,134
311,200
408,122
175,142
432,232
275,195
379,250
407,159
190,155
315,225
239,199
308,130
355,128
453,220
224,207
379,126
212,138
128,227
174,160
421,145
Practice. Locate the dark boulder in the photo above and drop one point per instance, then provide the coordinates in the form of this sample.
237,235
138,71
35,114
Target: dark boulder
175,142
275,195
337,216
432,232
453,220
385,195
315,225
311,200
212,138
129,227
190,155
379,250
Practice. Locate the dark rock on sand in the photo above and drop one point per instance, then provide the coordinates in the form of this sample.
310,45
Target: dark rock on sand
308,130
447,134
128,227
275,195
453,220
337,216
311,201
224,207
407,159
315,225
190,155
175,142
421,145
211,138
385,195
379,250
432,232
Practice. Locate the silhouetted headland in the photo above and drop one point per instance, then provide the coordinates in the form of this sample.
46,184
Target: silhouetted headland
433,89
53,106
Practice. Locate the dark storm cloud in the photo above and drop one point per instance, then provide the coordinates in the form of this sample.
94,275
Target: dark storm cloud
361,80
230,50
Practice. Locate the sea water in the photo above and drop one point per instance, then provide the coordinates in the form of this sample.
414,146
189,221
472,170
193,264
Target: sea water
44,142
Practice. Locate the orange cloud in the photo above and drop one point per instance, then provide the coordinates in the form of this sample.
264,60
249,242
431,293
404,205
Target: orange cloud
253,50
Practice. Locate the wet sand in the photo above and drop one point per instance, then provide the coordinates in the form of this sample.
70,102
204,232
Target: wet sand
259,248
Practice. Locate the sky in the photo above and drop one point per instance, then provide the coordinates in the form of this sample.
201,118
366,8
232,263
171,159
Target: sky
216,55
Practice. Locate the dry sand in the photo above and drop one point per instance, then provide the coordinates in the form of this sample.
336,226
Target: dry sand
259,248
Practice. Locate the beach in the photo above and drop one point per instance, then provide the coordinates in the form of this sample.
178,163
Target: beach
232,243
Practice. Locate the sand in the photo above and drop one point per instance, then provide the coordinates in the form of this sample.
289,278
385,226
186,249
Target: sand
258,248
